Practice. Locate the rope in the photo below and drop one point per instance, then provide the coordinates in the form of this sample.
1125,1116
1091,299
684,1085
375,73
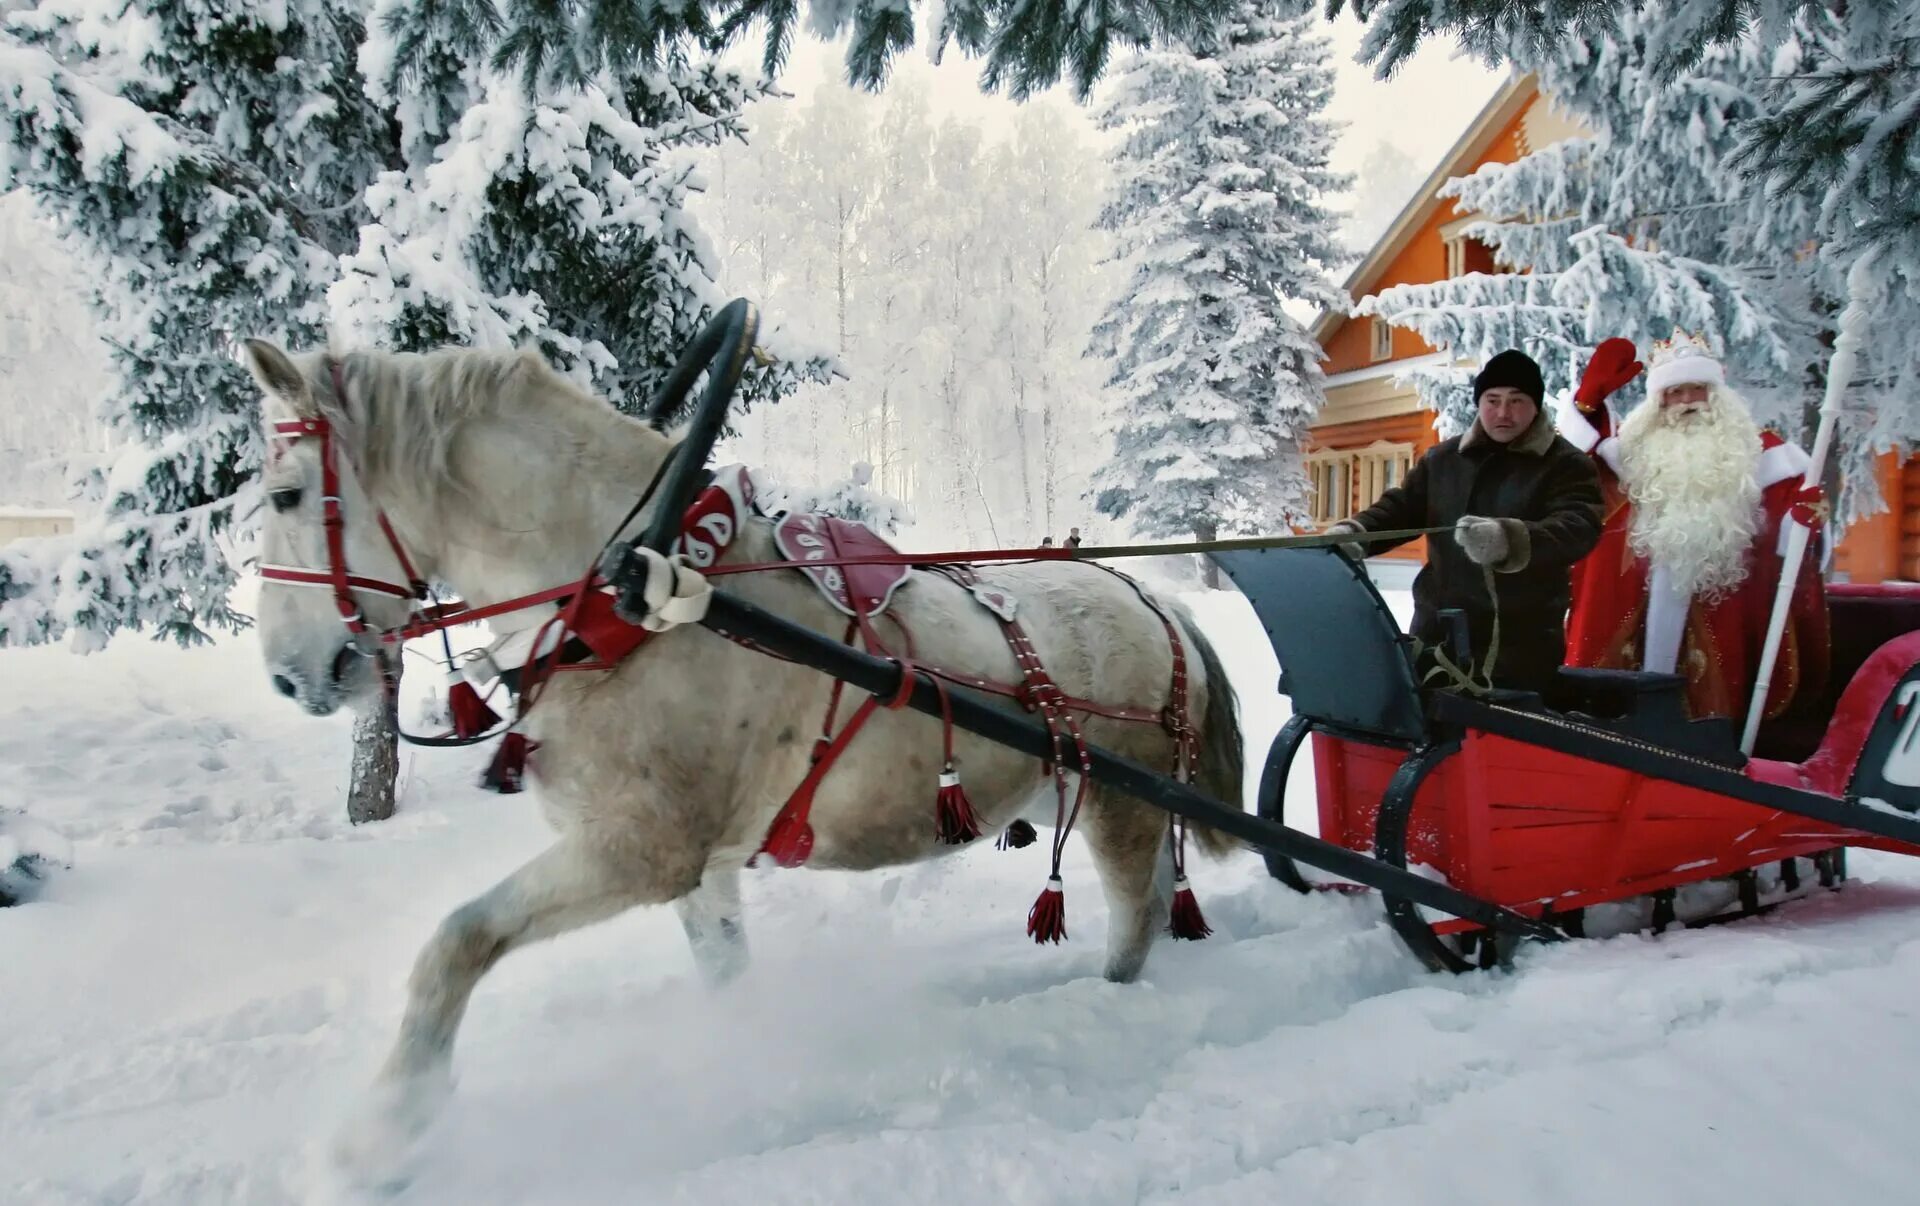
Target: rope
1465,679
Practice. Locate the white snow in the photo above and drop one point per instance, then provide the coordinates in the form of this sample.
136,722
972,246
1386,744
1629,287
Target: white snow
192,1009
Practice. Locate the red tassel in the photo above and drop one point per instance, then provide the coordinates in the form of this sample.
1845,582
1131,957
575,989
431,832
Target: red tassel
953,821
507,771
1016,835
1187,921
1047,920
790,837
471,715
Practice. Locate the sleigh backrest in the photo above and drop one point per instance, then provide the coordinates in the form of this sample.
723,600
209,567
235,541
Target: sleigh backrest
1343,659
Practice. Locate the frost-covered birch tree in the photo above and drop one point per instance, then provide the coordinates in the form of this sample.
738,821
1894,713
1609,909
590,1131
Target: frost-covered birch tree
1221,208
962,286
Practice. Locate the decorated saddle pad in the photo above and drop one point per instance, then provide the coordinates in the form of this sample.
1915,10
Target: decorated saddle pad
802,539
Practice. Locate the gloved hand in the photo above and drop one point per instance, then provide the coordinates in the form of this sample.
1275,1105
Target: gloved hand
1809,508
1354,549
1611,367
673,593
1483,540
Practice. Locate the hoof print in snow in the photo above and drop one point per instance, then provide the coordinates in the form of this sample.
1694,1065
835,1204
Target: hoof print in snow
30,853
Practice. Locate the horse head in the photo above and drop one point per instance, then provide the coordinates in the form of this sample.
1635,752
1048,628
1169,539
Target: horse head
332,575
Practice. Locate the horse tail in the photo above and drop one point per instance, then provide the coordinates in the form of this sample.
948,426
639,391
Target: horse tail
1222,758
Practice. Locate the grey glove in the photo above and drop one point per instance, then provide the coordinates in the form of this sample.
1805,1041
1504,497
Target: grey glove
1352,548
1483,540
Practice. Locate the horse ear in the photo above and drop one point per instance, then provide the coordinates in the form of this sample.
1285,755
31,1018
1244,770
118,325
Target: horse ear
274,370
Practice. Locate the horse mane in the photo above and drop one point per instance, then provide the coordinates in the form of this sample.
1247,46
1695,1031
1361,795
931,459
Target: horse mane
406,410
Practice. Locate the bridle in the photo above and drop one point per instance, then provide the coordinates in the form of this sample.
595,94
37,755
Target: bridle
426,616
337,576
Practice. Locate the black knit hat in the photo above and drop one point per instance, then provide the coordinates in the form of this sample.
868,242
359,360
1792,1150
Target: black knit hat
1515,370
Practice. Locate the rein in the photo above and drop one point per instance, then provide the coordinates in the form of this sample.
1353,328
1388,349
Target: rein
428,616
1089,552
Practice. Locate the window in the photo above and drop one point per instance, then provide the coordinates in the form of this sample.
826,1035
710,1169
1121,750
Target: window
1466,256
1330,478
1382,340
1345,480
1379,467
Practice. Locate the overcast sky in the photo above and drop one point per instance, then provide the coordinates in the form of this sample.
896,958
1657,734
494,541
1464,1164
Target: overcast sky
1421,110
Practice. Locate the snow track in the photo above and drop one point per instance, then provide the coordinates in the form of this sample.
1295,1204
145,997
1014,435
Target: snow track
192,1010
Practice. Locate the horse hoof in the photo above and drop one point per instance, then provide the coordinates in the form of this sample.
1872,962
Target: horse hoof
376,1148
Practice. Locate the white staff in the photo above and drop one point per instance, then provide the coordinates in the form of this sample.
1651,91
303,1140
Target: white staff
1846,346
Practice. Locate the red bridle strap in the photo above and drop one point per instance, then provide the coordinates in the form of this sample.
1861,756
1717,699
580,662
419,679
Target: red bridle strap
432,620
337,576
343,582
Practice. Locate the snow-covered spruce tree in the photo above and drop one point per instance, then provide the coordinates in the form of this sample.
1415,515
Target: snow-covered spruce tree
203,164
1836,146
212,164
1220,210
553,219
1815,151
1630,232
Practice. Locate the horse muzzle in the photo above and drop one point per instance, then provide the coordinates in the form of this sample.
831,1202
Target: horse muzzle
349,672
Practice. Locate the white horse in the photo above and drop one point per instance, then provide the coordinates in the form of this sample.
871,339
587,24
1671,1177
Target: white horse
661,776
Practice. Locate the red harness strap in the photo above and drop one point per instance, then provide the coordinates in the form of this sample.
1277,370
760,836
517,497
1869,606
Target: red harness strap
587,615
789,839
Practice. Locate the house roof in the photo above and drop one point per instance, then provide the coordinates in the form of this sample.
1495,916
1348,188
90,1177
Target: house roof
1506,104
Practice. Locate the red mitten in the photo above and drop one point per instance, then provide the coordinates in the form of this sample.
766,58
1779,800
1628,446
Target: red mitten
1809,508
1611,367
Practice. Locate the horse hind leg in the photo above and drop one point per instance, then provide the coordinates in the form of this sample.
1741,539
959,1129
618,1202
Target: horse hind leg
710,915
1129,846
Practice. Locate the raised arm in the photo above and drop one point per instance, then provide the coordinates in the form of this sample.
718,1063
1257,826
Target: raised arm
1587,424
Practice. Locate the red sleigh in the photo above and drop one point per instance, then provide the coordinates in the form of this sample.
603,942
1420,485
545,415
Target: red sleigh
1612,796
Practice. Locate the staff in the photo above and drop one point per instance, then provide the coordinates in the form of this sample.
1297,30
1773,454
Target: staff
1846,347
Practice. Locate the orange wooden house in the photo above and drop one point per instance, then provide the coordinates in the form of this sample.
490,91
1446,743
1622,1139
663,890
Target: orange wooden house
1372,428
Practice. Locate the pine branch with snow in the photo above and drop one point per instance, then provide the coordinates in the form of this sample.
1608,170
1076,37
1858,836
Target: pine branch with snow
553,219
1027,47
202,166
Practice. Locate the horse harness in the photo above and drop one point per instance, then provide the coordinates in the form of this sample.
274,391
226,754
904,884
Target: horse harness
588,632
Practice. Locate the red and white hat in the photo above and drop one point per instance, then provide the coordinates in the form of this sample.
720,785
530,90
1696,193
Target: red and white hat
1682,359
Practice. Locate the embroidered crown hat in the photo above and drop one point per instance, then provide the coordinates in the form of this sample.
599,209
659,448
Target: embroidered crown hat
1682,359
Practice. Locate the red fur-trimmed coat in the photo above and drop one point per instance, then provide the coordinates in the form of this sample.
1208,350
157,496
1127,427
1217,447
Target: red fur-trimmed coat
1721,646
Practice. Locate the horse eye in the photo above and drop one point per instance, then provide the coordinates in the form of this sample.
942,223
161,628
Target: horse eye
284,499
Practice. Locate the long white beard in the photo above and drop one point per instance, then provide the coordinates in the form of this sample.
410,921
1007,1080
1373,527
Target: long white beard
1695,494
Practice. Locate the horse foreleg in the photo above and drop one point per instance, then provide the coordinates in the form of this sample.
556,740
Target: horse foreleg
567,886
710,914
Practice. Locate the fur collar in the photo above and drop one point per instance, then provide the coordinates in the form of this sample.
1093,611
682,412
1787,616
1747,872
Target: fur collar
1534,441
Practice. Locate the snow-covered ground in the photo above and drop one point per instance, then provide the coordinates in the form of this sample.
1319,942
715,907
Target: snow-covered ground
190,1012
